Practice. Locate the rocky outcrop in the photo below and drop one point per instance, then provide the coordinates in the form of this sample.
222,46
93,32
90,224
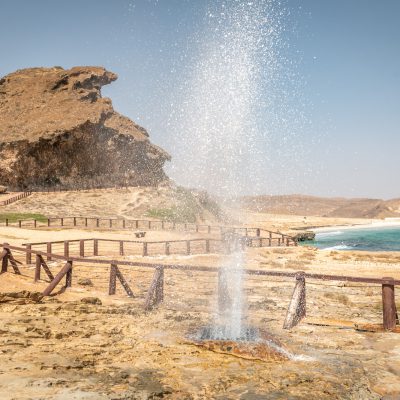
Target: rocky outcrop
57,130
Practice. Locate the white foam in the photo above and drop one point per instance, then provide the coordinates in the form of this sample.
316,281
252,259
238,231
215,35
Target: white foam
326,234
339,247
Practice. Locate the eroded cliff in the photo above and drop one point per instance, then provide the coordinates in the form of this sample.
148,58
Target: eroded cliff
57,130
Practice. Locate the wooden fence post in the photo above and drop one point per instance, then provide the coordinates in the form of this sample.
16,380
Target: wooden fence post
188,247
48,221
40,263
114,274
258,232
28,254
155,295
74,221
144,249
48,251
86,222
388,304
121,248
66,248
64,271
62,221
82,248
207,245
37,268
4,259
68,276
113,280
297,307
95,247
167,249
123,224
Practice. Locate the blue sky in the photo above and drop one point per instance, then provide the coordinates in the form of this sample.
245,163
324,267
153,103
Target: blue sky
346,55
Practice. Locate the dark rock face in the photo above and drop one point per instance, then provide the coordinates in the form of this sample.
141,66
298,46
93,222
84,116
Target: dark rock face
57,130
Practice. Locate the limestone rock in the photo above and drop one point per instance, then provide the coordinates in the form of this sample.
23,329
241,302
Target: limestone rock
22,297
304,236
91,300
85,282
56,129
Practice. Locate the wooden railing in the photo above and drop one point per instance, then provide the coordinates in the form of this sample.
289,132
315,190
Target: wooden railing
155,294
101,247
143,224
94,247
15,198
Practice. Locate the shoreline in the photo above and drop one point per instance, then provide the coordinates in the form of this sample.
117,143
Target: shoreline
371,225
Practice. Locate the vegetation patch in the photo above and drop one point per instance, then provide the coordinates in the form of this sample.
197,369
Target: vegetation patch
173,214
15,217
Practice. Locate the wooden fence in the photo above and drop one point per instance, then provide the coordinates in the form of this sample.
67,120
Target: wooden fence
155,293
94,247
113,247
15,198
261,237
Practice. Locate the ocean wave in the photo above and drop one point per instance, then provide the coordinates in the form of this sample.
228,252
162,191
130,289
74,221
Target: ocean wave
339,247
327,234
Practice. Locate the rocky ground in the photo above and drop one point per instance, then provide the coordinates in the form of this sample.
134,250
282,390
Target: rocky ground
83,344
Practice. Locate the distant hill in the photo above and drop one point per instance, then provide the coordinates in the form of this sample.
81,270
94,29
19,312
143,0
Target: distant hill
323,206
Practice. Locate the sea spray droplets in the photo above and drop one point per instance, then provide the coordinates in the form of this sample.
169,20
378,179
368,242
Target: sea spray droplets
221,144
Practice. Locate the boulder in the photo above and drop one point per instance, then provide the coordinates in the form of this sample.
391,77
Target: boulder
304,236
57,130
3,189
85,282
91,300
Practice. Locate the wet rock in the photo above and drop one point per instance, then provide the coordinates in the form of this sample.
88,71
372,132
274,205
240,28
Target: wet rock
303,236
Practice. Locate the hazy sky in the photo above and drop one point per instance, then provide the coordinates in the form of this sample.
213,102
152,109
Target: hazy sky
345,55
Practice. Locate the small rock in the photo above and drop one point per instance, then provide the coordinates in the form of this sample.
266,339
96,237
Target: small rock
3,189
85,282
91,300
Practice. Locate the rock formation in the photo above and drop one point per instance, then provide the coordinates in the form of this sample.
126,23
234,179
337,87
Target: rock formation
57,130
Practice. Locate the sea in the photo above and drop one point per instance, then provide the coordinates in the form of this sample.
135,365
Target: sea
367,239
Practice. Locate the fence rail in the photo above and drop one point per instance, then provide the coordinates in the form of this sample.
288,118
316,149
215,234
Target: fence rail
122,247
15,198
155,294
143,224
